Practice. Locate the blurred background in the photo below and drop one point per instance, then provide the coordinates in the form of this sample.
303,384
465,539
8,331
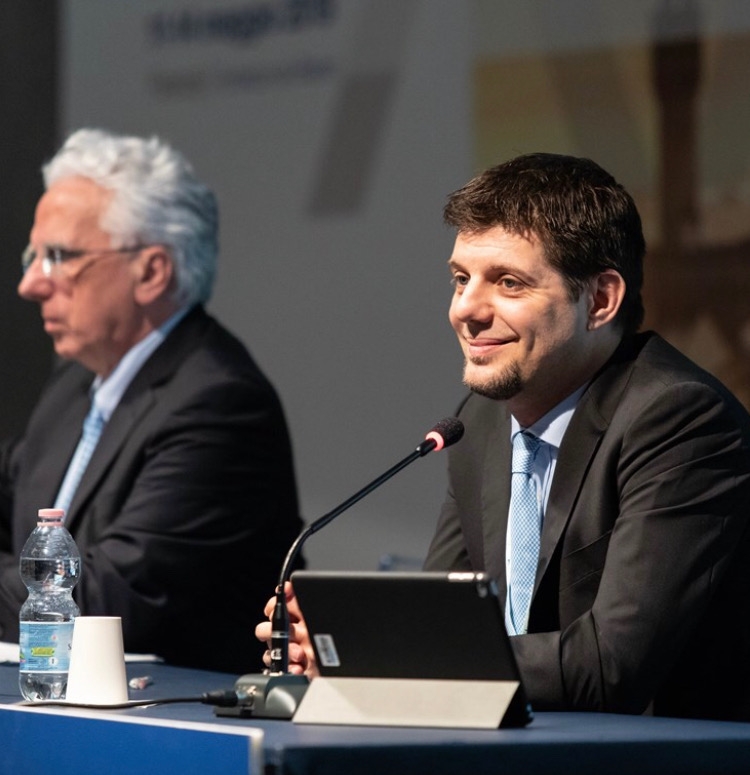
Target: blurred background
332,132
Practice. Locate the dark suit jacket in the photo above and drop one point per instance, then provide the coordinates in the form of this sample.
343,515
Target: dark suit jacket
186,510
642,591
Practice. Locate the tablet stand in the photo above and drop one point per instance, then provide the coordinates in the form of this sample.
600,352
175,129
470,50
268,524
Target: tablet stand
411,702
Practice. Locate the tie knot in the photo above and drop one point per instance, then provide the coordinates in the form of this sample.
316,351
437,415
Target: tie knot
525,446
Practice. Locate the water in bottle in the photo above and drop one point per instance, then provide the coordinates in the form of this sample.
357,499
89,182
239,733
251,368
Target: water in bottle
50,567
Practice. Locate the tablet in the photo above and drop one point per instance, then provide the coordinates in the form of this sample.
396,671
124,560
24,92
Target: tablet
409,625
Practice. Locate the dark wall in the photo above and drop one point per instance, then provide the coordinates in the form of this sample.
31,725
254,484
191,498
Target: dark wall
28,136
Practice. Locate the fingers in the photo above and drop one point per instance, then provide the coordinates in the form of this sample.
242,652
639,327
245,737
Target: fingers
263,631
297,632
301,653
295,613
291,604
298,662
268,610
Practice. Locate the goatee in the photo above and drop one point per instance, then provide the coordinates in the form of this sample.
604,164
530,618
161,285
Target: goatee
499,387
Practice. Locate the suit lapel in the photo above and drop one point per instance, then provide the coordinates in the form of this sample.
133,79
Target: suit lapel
59,440
579,446
122,423
580,443
496,498
136,402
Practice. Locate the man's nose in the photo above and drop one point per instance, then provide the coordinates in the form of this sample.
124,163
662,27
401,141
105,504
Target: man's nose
35,285
474,303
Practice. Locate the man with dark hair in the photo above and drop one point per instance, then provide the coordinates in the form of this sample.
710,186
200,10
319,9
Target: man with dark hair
603,478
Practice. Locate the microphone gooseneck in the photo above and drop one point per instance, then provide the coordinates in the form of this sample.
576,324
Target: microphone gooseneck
442,435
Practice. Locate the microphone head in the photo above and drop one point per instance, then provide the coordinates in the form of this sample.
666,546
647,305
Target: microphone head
446,432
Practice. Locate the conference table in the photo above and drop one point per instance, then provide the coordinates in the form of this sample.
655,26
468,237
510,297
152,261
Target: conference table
187,737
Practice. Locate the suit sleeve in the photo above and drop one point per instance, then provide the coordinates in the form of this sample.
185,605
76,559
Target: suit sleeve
12,590
448,547
671,575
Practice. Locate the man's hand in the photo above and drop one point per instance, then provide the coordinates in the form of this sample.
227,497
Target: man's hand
301,654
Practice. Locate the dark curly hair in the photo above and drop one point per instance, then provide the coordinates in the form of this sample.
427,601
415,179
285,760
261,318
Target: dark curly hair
585,220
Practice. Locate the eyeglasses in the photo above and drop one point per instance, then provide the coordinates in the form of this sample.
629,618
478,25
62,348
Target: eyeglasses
54,259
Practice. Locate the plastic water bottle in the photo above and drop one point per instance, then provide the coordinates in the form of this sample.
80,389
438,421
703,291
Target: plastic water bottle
50,567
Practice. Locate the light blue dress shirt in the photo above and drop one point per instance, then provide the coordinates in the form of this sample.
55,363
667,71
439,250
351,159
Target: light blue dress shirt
550,429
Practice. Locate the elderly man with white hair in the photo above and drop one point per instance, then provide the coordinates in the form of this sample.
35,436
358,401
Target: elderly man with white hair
185,508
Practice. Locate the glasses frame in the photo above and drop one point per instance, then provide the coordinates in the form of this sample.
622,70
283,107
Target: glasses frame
55,258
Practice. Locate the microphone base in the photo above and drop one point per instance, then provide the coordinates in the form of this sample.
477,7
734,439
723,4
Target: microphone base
267,695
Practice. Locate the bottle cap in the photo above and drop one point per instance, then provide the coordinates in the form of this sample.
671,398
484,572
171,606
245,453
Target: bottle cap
55,515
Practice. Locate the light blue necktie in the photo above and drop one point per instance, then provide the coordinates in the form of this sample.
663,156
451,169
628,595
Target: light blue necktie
525,530
92,430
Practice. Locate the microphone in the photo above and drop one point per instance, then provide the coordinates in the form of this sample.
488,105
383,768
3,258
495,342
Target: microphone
288,688
443,434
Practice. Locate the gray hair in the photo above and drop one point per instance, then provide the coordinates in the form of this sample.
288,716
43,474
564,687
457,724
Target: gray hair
156,200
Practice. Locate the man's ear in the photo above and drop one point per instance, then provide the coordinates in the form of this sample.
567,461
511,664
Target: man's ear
154,274
606,292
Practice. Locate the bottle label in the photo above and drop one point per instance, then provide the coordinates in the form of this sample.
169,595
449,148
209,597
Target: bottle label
45,646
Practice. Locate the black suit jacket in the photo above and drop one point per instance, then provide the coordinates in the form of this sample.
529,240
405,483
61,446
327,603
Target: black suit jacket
642,594
186,510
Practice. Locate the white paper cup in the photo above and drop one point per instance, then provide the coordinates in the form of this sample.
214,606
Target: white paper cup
97,662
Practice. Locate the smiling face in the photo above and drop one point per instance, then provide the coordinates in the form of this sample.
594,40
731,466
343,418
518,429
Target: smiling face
524,338
88,306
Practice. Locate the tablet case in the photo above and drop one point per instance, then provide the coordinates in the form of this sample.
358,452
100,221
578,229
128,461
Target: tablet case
434,642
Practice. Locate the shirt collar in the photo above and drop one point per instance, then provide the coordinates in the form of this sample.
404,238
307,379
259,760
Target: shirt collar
551,428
